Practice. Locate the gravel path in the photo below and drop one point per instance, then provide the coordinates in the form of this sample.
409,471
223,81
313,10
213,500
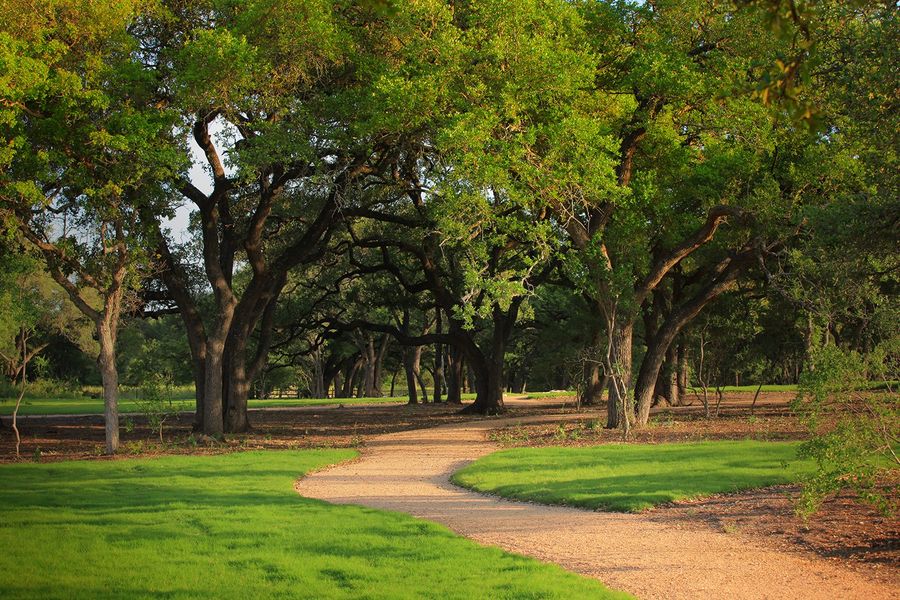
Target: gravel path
409,472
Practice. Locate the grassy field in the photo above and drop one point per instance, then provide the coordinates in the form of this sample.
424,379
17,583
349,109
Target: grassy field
631,478
874,386
90,406
231,526
182,399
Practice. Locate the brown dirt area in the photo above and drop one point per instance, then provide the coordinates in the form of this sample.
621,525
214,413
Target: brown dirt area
843,531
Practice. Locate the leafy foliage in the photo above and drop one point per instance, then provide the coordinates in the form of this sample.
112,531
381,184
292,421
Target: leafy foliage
855,431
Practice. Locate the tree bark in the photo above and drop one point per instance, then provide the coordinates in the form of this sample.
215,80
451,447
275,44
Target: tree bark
338,384
438,359
409,365
378,383
594,379
619,406
350,376
106,333
422,385
175,279
454,375
488,368
673,394
213,423
368,379
683,373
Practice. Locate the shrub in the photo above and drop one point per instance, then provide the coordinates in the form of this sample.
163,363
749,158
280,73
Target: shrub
854,433
156,404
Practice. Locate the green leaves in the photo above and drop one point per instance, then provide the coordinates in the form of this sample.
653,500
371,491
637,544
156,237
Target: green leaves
217,69
854,430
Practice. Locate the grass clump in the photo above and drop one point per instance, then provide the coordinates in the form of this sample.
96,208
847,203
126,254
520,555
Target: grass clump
232,526
634,477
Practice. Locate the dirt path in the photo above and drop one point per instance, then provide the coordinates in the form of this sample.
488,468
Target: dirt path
409,472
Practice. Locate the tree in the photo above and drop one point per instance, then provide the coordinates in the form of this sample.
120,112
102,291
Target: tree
81,156
22,309
853,430
684,147
297,145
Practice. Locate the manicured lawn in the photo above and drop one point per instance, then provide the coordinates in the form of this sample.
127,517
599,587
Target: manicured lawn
748,388
231,526
90,406
630,478
553,394
873,385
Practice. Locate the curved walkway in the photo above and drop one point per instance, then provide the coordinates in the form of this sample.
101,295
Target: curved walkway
409,472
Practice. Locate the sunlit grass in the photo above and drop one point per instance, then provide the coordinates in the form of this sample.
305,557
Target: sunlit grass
632,477
93,406
232,526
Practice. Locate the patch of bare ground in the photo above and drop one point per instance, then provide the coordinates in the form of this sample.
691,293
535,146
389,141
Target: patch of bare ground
843,531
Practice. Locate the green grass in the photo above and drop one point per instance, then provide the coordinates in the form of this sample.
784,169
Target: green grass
553,394
231,526
873,386
746,388
91,406
634,477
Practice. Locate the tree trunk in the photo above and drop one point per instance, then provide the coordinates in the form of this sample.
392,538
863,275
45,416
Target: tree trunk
338,384
213,417
350,377
454,375
409,365
106,335
650,368
438,359
489,369
361,380
378,390
594,383
488,388
173,275
683,373
668,383
236,386
371,367
619,405
594,379
318,390
256,307
422,385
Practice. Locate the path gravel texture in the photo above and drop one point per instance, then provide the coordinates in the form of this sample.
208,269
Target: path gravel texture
409,472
